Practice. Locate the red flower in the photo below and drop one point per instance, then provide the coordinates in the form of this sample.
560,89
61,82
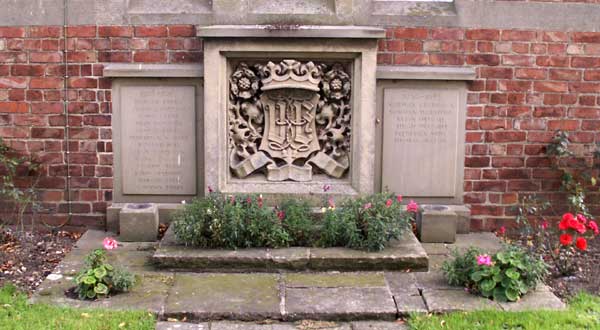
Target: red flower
581,243
592,225
567,220
581,218
502,230
388,203
399,198
210,190
566,239
281,215
544,224
580,228
248,200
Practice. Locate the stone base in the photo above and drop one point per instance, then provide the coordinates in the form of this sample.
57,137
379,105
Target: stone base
138,223
441,223
403,254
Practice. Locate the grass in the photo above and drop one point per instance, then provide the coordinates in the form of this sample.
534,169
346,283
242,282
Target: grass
17,314
583,313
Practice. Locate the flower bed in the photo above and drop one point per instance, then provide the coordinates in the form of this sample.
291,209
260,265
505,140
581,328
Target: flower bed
219,221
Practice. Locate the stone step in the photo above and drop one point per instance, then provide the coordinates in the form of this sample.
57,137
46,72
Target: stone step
405,254
269,325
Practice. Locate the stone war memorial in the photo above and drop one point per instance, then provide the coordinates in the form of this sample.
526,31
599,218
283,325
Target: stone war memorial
256,160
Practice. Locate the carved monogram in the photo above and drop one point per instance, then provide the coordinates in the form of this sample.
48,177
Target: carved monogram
289,120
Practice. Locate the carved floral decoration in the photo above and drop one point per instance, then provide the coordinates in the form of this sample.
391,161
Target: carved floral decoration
289,120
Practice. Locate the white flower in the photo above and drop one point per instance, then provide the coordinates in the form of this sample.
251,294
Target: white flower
183,202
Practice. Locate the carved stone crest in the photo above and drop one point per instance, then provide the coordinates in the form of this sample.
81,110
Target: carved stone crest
289,120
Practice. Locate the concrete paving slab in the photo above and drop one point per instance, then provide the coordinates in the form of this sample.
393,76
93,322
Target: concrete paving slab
378,326
410,304
343,304
334,280
181,326
246,297
401,283
445,301
536,300
434,280
225,325
435,248
486,241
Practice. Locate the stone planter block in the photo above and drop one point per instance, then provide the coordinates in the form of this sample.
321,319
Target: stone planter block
437,224
139,223
463,218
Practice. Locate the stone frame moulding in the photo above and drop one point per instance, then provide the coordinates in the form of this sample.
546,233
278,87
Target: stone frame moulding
437,78
224,46
153,75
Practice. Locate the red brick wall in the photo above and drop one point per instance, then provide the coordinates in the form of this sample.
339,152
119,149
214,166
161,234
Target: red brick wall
529,84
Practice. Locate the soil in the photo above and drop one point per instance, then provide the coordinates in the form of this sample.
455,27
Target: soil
587,278
26,258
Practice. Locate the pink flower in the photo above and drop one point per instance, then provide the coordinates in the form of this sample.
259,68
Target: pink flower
109,243
544,224
326,187
412,206
210,190
593,226
502,230
248,200
581,218
260,201
331,203
399,198
281,215
484,260
388,203
367,206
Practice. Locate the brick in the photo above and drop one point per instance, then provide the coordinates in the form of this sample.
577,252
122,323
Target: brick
585,37
498,73
563,124
505,136
518,60
115,31
13,82
477,161
81,31
530,73
591,75
483,34
14,107
514,85
447,34
151,31
411,59
27,70
564,74
12,32
557,61
150,56
498,186
584,87
515,35
523,185
446,59
413,46
45,57
84,133
14,132
47,108
410,33
492,124
47,133
483,59
81,57
182,31
83,158
508,162
97,120
550,86
555,36
79,82
585,62
185,57
46,83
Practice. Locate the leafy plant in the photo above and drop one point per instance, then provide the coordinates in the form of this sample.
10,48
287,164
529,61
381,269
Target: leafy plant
505,276
21,198
98,278
218,221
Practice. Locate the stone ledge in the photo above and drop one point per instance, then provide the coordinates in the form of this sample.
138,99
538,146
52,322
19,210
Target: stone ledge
400,255
425,72
134,70
289,31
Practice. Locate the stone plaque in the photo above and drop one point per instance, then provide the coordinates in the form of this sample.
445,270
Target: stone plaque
158,140
423,139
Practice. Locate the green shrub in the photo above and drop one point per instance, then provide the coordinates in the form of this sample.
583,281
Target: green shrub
504,276
219,221
98,278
